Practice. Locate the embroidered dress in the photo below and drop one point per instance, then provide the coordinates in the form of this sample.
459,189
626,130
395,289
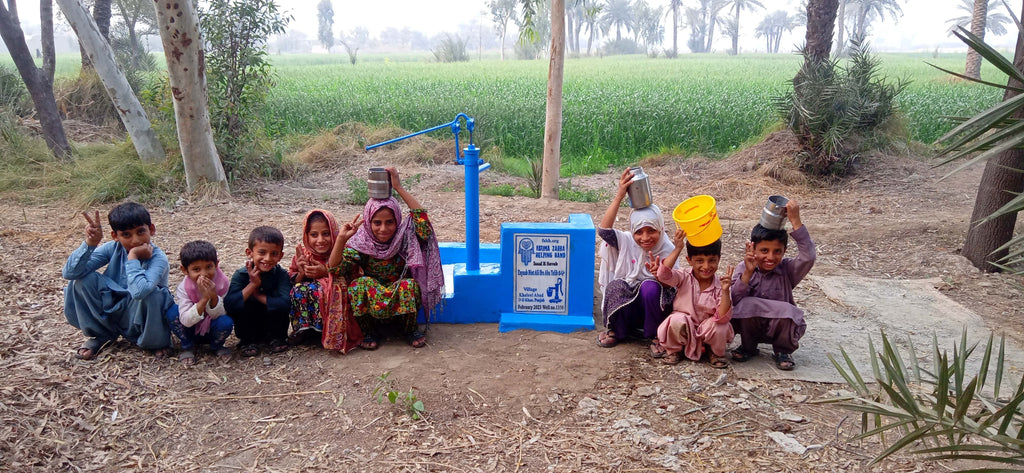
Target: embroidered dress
633,298
390,281
322,304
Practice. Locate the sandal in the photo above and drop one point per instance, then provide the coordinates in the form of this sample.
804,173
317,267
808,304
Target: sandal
161,353
224,354
369,343
741,356
607,339
187,358
417,339
89,349
657,351
278,346
784,361
719,362
249,350
672,358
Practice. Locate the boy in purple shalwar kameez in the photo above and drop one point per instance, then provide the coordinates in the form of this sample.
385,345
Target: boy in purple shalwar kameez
762,291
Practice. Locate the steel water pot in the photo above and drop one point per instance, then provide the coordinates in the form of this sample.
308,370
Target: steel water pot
378,185
773,215
639,190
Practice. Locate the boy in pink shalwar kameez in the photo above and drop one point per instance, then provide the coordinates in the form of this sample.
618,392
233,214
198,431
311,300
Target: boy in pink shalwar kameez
702,307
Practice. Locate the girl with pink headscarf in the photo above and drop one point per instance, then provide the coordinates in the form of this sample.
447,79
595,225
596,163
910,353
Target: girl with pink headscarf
393,266
320,302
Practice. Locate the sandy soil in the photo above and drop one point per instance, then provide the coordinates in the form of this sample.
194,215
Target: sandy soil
520,401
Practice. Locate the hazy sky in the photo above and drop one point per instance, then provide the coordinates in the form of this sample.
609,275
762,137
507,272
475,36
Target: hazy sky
922,27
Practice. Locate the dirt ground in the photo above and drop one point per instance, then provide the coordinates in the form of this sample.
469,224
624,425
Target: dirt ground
503,402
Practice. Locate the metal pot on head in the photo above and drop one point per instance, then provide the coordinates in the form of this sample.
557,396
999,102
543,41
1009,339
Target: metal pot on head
773,215
379,183
639,191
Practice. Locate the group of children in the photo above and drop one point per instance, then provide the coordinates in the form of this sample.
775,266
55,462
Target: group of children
347,284
687,312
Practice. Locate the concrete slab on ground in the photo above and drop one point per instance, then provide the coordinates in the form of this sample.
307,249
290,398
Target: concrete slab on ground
854,308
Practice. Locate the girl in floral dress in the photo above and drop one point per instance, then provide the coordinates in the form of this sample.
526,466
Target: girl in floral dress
393,266
320,302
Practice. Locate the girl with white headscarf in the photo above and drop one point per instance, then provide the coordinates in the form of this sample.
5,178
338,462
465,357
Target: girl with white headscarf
634,300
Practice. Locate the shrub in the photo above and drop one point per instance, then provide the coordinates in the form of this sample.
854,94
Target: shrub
239,78
833,108
622,46
13,94
451,49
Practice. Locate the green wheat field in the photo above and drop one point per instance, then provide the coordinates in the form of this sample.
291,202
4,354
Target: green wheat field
615,110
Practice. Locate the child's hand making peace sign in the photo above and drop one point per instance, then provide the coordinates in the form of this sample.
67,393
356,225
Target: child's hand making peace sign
93,231
652,263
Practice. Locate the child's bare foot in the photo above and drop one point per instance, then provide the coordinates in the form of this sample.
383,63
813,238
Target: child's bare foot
187,358
162,353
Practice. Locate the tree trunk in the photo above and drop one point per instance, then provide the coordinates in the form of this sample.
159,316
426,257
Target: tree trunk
840,17
821,18
675,32
569,30
186,69
1001,182
736,32
553,123
978,17
101,15
46,39
503,31
121,95
38,87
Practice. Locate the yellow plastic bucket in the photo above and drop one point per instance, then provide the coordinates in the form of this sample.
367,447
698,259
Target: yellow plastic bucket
698,217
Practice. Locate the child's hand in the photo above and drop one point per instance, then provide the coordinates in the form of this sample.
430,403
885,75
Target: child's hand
315,270
749,260
793,213
348,229
206,287
727,278
396,182
141,252
93,231
624,180
300,261
679,239
254,273
653,263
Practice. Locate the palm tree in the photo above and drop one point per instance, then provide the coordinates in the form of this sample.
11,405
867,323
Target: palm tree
866,10
772,27
702,20
618,14
979,20
648,24
995,23
739,5
673,8
591,17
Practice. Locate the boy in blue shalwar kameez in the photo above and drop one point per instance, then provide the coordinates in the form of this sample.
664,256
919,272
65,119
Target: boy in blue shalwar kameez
130,297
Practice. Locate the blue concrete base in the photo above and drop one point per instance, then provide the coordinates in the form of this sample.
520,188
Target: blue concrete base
546,322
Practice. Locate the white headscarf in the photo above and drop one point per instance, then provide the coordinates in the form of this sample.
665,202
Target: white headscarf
627,262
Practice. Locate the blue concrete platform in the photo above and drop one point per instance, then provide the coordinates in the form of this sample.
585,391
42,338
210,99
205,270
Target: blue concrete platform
540,277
